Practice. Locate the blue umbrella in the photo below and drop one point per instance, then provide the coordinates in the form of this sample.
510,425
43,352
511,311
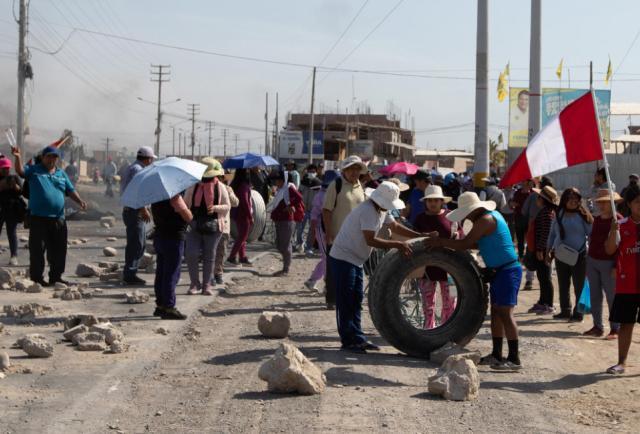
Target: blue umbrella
248,160
160,181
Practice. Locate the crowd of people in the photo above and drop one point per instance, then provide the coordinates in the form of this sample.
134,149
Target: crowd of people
337,215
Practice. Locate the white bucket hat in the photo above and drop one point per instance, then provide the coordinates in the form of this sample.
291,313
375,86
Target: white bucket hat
467,203
435,192
352,160
387,196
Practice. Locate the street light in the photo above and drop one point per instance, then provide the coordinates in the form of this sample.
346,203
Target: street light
155,102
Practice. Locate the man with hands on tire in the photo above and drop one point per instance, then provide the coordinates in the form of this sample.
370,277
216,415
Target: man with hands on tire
351,248
491,235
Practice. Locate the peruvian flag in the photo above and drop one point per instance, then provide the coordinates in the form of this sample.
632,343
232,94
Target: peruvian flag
570,138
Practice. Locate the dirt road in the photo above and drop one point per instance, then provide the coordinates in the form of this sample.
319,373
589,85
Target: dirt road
202,376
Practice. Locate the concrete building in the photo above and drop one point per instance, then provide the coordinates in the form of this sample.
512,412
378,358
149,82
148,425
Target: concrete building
374,137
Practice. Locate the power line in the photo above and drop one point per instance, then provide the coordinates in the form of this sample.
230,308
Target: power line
627,52
344,32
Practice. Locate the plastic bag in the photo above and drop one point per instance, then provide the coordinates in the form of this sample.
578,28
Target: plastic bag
584,304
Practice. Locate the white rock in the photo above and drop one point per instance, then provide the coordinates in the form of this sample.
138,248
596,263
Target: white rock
146,260
7,276
109,251
110,220
71,294
274,324
456,380
69,334
290,371
110,332
137,297
21,285
440,355
26,311
88,270
60,286
112,239
90,341
105,225
5,361
35,345
118,347
79,319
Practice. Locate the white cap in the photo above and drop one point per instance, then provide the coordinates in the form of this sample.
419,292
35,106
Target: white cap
387,196
146,152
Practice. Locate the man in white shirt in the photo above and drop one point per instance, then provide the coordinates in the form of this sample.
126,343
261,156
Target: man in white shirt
351,248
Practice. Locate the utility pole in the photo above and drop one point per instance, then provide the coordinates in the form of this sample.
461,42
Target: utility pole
276,143
180,143
24,70
108,141
313,96
210,129
173,142
248,145
236,140
481,142
224,141
194,109
160,77
535,53
266,125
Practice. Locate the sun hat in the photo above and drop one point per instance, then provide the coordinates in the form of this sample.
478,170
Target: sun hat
353,160
386,196
146,152
634,175
435,192
548,193
401,185
50,150
602,196
5,163
467,203
328,177
214,168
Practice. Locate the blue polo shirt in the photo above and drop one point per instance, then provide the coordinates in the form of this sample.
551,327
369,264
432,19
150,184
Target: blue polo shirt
47,191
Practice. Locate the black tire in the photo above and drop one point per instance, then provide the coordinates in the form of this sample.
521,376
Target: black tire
385,306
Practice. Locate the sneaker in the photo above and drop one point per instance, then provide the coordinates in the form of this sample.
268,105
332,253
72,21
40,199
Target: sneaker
576,317
562,315
135,280
13,261
232,261
489,360
594,331
507,365
536,308
52,282
331,306
207,290
42,282
371,347
547,310
172,313
354,348
194,290
612,336
310,285
528,286
218,279
158,311
246,261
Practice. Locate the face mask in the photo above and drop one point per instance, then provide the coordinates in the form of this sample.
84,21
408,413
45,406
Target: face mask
311,175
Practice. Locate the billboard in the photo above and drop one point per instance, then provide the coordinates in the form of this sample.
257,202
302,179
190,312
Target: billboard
295,145
553,101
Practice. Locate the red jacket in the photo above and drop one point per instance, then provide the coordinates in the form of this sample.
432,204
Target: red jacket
279,214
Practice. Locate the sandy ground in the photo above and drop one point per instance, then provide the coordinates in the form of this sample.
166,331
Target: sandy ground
202,376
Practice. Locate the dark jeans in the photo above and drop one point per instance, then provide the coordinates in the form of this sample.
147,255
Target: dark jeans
135,241
522,224
11,234
349,295
48,234
329,282
567,274
543,272
168,260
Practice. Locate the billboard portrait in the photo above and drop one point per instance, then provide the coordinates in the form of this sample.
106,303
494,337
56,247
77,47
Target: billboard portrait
518,117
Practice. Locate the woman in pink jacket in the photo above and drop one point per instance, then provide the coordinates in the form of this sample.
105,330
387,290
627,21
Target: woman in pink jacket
242,216
209,203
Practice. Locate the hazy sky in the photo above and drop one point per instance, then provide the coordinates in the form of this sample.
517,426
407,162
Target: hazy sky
95,92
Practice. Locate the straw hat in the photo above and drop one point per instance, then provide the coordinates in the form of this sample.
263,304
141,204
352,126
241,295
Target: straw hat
214,168
401,185
386,196
548,193
467,203
435,192
353,160
603,196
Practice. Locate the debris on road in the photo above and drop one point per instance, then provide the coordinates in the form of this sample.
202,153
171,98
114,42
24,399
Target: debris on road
71,294
456,380
111,239
109,251
82,318
35,345
110,332
108,221
162,331
118,347
290,371
91,341
137,297
88,270
5,361
7,277
146,260
274,324
70,333
27,311
452,349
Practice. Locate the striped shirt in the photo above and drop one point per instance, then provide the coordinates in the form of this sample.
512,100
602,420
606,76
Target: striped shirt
544,221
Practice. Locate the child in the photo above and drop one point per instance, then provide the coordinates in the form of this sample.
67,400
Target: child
626,303
433,219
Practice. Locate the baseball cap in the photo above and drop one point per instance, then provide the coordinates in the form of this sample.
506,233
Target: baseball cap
146,152
50,150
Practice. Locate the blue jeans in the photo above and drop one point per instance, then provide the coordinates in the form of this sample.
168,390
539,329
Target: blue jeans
300,229
168,260
348,280
135,241
11,234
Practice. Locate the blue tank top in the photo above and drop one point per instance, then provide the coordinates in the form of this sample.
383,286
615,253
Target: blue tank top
497,248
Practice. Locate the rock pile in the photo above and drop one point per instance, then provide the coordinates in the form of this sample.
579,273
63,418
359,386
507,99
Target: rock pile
274,324
456,380
96,337
84,319
136,297
35,345
27,311
289,371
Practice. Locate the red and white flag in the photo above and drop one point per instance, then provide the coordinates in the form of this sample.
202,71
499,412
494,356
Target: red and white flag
570,138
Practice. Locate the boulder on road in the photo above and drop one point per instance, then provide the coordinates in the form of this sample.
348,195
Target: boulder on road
110,332
274,324
69,334
88,270
71,294
34,288
456,380
137,297
118,347
77,319
440,355
290,371
35,345
91,341
109,251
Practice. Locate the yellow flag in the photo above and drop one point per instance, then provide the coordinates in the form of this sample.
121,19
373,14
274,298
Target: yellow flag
507,70
559,70
502,87
609,73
